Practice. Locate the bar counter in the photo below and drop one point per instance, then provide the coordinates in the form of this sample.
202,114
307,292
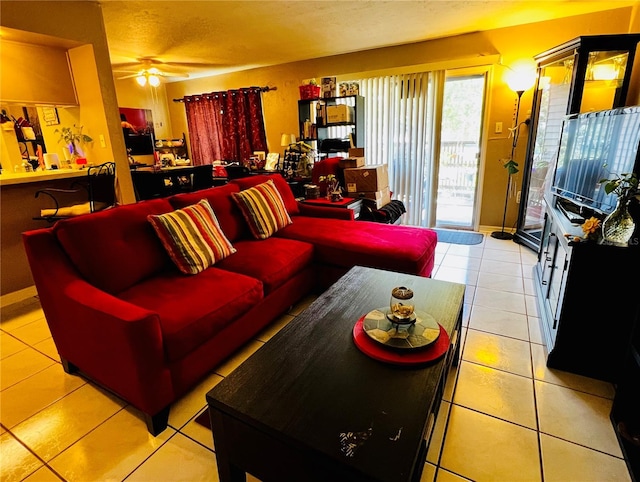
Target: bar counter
10,178
19,206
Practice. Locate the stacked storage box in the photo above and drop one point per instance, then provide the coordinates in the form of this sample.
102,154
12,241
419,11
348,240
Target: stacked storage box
370,183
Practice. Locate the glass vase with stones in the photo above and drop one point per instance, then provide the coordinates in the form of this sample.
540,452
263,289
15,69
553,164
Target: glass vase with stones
618,227
401,306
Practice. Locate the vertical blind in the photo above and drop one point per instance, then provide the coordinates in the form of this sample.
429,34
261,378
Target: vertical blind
402,126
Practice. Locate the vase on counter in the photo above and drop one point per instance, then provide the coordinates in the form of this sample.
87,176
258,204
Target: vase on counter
618,227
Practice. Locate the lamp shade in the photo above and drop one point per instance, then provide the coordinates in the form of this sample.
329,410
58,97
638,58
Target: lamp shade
142,80
287,139
520,79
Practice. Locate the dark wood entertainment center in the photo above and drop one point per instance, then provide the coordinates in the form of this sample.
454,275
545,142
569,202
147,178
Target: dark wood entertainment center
589,309
590,318
587,306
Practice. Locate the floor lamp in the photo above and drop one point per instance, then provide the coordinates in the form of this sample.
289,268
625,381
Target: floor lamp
519,79
511,169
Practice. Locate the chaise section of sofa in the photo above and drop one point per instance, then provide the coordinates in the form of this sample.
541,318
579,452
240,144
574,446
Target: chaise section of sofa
340,243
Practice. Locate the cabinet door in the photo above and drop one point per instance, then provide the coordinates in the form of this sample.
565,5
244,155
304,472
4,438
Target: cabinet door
557,283
547,255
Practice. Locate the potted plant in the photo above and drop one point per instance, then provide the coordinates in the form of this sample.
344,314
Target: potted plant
72,137
618,227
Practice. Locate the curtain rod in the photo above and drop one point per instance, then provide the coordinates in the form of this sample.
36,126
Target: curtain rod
262,89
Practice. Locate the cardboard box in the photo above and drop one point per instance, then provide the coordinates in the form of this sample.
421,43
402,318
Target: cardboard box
366,179
375,199
356,152
339,113
351,162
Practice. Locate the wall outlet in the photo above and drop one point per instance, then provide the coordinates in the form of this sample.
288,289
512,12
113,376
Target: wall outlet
498,127
102,142
518,196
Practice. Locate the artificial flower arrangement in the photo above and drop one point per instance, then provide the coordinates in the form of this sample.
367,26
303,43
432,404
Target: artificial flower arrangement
626,187
592,229
334,191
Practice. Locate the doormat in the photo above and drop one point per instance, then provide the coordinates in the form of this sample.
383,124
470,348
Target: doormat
203,419
453,236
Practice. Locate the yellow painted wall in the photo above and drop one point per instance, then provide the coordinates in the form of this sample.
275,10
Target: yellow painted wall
513,44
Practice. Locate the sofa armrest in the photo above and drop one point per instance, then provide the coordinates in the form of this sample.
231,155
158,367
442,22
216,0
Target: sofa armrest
326,212
114,342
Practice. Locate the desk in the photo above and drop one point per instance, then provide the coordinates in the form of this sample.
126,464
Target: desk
285,412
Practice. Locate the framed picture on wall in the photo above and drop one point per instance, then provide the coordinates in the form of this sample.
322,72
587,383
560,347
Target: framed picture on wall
50,116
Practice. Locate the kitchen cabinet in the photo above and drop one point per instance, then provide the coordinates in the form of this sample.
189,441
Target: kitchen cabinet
586,303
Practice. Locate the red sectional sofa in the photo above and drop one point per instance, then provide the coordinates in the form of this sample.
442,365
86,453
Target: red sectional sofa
121,313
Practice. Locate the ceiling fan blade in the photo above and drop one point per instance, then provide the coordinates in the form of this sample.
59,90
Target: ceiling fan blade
172,74
129,76
126,65
195,65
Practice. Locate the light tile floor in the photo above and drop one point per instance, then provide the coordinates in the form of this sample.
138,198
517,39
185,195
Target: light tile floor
505,416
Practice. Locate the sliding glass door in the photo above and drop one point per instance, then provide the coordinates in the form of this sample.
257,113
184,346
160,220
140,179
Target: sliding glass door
460,142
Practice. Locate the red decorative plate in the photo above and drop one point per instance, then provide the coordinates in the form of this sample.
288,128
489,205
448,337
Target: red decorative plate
407,357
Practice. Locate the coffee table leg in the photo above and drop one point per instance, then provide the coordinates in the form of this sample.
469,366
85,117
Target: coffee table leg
227,472
230,473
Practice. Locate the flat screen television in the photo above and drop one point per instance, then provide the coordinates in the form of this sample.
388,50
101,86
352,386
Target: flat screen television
594,146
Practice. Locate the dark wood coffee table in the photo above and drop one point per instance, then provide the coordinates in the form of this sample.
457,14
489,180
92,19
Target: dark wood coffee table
289,412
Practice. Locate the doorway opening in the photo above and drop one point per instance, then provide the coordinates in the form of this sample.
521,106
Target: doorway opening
460,146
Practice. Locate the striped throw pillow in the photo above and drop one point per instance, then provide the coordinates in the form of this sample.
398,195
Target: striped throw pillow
263,208
192,237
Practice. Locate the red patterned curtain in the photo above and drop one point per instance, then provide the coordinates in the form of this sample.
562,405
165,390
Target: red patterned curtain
225,125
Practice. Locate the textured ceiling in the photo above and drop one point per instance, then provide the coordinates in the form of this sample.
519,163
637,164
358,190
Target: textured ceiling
213,37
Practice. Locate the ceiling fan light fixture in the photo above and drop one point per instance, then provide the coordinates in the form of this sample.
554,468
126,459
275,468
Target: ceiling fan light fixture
154,80
141,80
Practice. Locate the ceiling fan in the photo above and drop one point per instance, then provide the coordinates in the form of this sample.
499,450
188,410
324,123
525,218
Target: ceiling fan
150,71
151,76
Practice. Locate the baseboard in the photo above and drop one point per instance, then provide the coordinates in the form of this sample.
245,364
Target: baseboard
17,296
490,229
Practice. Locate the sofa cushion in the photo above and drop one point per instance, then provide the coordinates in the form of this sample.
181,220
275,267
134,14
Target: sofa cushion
193,309
281,184
338,242
226,210
273,261
192,237
263,209
116,248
